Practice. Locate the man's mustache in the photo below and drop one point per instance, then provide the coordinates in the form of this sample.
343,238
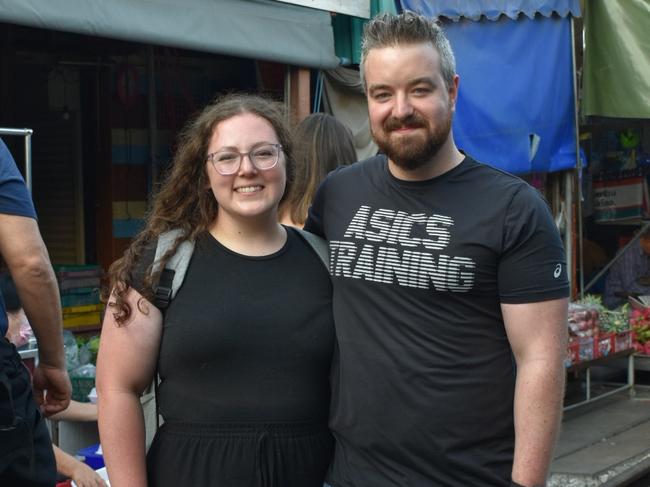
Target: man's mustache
412,121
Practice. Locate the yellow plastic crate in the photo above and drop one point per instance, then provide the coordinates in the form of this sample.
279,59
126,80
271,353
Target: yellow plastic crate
81,319
88,308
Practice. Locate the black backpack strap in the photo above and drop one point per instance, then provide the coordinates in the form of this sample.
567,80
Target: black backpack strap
172,276
163,295
318,244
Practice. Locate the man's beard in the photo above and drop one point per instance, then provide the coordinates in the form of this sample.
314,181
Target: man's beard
410,151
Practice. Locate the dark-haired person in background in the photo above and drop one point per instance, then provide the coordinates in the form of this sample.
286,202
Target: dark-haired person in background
630,274
321,144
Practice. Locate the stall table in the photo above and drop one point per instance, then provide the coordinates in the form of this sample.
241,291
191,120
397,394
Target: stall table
609,360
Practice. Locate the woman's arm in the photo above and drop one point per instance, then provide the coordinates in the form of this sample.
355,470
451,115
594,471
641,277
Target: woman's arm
125,367
77,411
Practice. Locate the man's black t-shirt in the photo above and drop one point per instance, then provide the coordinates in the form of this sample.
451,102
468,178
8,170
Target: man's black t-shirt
423,381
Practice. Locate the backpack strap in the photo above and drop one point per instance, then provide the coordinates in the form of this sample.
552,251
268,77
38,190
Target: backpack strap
170,281
318,244
172,276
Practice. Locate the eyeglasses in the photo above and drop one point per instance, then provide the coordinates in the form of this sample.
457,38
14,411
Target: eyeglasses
228,161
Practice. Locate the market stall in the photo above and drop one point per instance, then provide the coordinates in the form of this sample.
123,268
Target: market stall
600,337
539,137
615,134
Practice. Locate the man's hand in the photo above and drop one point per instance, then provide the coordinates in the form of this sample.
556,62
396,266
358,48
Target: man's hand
52,389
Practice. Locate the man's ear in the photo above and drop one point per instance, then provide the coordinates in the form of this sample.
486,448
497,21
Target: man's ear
453,92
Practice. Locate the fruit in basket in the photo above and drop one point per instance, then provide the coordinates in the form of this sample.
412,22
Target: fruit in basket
640,323
614,322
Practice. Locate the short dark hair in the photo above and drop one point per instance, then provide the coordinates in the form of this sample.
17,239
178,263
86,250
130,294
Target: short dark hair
385,30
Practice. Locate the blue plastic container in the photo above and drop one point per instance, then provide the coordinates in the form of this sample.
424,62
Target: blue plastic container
90,457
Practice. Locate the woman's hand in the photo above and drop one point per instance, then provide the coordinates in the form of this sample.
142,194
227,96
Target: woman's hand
84,476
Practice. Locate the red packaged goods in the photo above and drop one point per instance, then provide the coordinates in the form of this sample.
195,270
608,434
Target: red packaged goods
604,344
586,350
623,341
583,320
573,352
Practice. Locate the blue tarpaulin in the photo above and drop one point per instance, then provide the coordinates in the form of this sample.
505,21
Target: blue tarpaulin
515,106
492,9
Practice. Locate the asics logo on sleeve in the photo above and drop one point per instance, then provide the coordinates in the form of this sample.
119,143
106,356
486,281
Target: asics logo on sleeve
557,271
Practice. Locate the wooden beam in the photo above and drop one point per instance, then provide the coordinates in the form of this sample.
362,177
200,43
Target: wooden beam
299,94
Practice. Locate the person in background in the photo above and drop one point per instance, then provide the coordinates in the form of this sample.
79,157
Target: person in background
444,270
630,274
26,456
322,143
17,333
67,465
243,351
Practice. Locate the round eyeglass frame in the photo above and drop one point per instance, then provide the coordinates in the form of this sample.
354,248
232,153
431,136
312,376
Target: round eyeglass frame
210,157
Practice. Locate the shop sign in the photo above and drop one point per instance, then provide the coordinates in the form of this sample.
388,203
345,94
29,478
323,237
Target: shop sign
356,8
621,200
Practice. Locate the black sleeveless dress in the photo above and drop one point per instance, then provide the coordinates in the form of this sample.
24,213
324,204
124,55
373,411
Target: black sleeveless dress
244,362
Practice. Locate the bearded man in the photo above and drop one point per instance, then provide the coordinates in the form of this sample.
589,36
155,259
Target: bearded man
450,290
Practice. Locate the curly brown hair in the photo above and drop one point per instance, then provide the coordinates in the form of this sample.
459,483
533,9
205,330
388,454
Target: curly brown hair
184,200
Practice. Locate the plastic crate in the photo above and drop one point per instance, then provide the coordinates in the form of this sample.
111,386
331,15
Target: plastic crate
81,387
81,297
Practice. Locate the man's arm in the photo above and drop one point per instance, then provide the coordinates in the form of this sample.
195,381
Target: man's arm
537,333
24,252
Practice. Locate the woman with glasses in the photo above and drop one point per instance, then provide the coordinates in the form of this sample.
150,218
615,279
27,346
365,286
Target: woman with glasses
243,350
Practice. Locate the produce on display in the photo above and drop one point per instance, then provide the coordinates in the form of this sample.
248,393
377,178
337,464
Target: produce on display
640,323
595,331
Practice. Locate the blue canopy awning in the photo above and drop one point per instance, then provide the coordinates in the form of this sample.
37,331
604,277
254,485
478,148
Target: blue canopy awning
515,107
492,9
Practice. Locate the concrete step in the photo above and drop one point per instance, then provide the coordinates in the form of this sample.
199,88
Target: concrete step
604,444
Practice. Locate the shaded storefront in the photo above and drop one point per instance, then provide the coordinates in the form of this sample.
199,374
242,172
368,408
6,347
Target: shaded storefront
107,85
